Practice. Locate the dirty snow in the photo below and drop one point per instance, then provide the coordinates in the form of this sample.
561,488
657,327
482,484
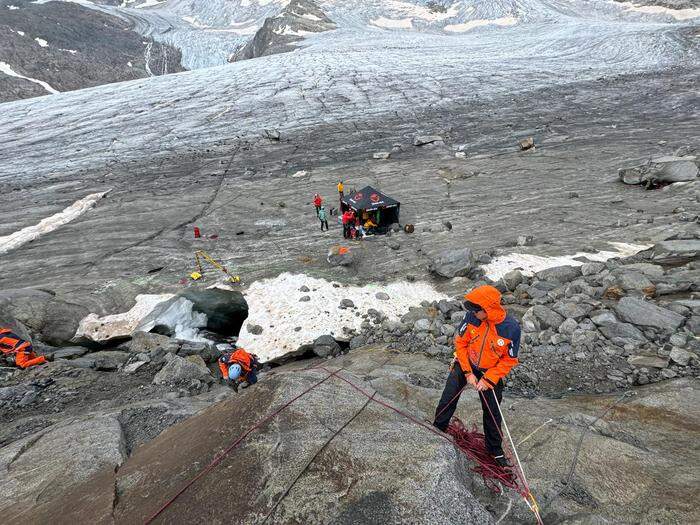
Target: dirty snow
300,173
467,26
389,23
530,264
149,3
30,233
274,305
678,14
12,7
119,325
192,20
41,42
179,317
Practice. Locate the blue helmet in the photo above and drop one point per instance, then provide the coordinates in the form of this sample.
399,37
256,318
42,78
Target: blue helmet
234,372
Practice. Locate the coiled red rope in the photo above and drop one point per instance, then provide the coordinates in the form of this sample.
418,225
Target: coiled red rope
473,444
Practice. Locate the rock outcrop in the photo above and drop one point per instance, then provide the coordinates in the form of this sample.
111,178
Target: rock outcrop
281,33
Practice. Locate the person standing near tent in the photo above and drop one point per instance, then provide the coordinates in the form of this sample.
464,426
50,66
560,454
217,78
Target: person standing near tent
486,345
340,190
317,202
323,217
239,367
18,350
346,217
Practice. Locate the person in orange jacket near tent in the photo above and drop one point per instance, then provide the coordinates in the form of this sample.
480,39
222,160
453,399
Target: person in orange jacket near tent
239,367
13,346
486,348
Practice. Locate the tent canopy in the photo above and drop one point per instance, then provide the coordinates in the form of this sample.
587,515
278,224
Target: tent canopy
383,209
369,199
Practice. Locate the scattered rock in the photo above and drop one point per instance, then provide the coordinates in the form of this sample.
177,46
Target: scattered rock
527,143
109,360
676,251
304,289
647,361
304,298
326,346
254,329
644,313
382,296
681,357
381,155
179,370
661,170
452,263
512,279
421,140
422,325
347,303
525,240
561,274
592,268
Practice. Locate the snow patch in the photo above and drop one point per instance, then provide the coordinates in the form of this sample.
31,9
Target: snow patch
389,23
130,64
530,264
5,68
309,16
30,233
179,317
41,42
71,51
12,7
468,26
274,305
678,14
287,30
20,33
299,174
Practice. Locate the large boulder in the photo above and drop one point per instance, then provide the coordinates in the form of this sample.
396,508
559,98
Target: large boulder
661,170
326,346
226,310
40,314
543,318
181,371
624,331
560,274
452,263
362,462
37,467
645,313
676,252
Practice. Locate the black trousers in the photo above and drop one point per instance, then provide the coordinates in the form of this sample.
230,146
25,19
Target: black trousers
445,410
324,223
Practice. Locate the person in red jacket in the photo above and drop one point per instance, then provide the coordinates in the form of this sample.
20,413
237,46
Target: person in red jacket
347,219
317,202
486,348
239,367
13,346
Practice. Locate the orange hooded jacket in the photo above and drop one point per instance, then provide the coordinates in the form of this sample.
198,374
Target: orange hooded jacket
11,343
491,345
239,356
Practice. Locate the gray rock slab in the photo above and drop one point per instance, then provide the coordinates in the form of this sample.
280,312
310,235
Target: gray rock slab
645,313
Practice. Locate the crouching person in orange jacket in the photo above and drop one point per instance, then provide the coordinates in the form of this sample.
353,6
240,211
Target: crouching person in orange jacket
486,344
13,346
239,367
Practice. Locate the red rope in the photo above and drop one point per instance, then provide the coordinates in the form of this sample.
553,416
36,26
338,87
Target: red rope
226,451
469,443
473,444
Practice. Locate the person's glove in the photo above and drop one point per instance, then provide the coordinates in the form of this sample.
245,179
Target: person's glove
471,379
483,385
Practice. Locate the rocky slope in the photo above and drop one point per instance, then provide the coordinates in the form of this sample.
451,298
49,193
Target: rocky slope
281,34
54,47
353,454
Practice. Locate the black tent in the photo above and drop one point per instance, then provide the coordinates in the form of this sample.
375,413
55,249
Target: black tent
374,204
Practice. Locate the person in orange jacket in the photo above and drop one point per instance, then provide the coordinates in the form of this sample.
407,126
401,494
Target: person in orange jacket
486,348
239,367
22,351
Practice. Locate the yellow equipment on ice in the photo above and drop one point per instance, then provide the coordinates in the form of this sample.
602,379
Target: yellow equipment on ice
200,255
